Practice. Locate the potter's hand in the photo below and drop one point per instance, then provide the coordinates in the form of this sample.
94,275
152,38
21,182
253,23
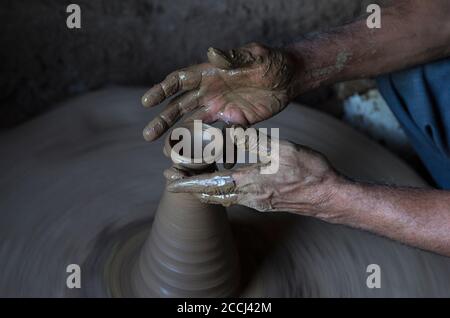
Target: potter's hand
242,86
304,183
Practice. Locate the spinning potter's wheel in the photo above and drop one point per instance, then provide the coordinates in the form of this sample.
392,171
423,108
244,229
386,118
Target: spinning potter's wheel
80,186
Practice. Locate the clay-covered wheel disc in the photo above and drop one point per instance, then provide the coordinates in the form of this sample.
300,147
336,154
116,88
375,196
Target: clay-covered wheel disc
80,179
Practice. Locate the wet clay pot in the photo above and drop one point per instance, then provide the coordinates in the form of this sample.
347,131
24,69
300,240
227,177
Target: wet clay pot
190,251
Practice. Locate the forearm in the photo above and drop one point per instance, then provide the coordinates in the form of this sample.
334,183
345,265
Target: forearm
418,217
412,32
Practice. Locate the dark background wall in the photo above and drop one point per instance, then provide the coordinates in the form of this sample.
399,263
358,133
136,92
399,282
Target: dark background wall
134,42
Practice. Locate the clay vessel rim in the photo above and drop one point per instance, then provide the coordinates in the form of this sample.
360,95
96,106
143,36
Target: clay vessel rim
180,159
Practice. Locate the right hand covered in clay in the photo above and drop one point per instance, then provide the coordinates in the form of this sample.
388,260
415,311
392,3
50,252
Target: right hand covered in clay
304,183
242,86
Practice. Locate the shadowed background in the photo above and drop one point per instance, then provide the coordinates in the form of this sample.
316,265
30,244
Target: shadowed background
136,42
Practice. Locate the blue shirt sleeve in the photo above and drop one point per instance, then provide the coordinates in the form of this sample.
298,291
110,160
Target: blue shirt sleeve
420,99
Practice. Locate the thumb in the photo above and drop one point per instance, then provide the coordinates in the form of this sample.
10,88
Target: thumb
175,173
235,58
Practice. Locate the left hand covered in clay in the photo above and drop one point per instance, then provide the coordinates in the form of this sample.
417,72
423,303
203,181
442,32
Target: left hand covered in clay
304,183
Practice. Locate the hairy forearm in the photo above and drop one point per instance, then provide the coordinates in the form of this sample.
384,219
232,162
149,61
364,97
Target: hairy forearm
417,217
412,32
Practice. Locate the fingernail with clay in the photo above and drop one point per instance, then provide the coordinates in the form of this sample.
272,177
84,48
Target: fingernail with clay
219,58
149,134
173,174
145,100
152,97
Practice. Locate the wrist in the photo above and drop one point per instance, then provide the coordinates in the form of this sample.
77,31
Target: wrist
301,82
320,60
339,193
